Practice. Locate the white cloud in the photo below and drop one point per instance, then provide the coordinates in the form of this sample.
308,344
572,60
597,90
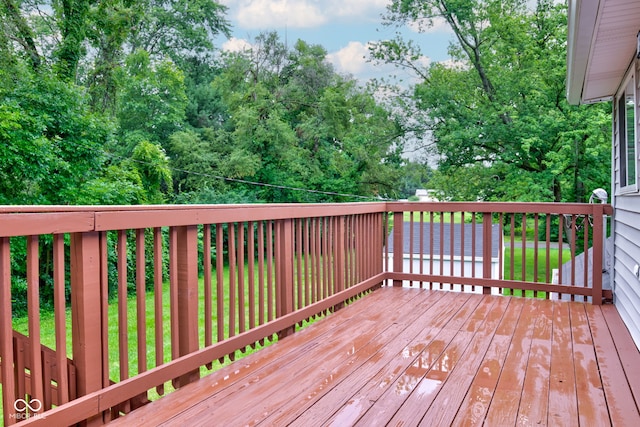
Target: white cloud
236,45
435,25
454,65
356,8
351,59
260,14
354,60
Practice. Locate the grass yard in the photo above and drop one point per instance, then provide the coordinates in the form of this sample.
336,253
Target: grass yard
530,267
47,328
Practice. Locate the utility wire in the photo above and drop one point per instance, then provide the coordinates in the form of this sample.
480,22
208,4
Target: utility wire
261,184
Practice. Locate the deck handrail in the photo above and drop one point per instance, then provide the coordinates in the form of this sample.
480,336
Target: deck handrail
278,265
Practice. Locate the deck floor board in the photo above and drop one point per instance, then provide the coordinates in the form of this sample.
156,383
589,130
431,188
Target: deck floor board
420,357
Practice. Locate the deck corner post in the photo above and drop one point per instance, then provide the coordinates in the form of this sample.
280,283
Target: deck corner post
486,249
86,314
187,264
284,271
598,242
398,246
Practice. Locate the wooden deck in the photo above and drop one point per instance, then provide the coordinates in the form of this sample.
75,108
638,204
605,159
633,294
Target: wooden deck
411,356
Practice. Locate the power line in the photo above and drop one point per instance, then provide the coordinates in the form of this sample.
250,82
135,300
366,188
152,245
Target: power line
255,183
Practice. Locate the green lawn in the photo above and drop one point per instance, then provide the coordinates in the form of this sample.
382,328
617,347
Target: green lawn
47,326
530,267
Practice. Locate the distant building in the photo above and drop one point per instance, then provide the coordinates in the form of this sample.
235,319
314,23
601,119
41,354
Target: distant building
439,256
426,195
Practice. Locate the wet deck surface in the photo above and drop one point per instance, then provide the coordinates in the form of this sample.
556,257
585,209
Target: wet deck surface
419,357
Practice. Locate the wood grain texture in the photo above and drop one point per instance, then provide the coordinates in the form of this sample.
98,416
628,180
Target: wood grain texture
424,357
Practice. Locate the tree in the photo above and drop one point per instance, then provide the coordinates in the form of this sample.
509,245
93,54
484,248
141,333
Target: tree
152,99
50,143
502,106
292,121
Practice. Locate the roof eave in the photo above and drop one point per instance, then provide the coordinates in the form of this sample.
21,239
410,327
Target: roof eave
581,28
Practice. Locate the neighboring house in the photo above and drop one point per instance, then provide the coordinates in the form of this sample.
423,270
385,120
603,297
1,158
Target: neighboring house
437,250
424,195
603,65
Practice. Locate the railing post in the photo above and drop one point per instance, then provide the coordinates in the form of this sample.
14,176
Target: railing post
398,245
86,314
486,249
284,271
598,239
187,264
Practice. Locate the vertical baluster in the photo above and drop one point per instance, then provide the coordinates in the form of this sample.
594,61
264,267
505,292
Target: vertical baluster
251,251
339,256
104,316
398,245
157,300
560,231
220,283
314,258
411,241
585,248
486,249
6,335
325,257
208,291
231,233
141,301
123,344
462,251
441,215
548,249
242,314
574,220
431,254
173,292
535,248
33,308
421,247
452,241
473,248
270,296
298,255
60,317
501,251
523,257
306,240
261,278
512,246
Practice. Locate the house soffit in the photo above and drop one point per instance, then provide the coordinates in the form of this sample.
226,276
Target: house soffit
601,43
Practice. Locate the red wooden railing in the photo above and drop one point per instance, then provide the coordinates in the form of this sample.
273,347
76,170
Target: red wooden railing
237,277
510,248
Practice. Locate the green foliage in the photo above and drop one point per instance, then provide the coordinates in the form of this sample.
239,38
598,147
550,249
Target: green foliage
292,121
152,99
500,104
50,143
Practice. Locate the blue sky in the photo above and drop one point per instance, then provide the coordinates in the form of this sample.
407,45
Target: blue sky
343,27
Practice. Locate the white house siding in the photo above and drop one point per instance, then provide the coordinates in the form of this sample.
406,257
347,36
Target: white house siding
626,256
